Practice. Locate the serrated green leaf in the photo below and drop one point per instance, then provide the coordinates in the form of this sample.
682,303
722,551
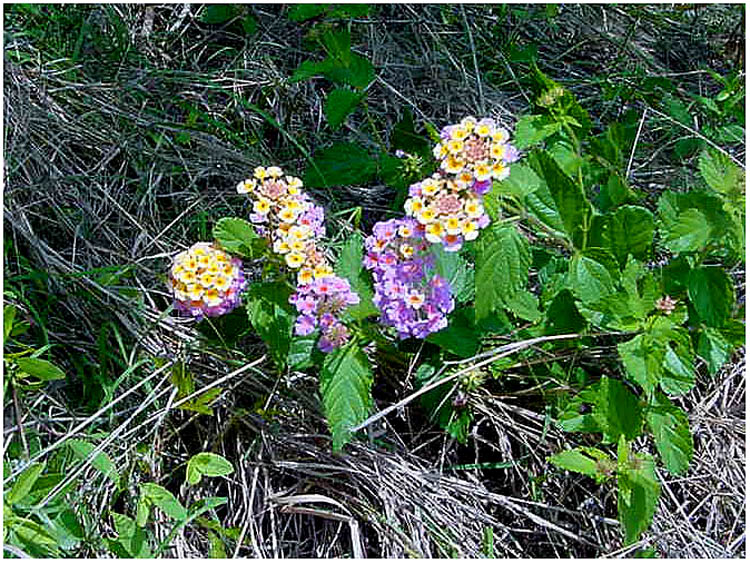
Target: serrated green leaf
722,175
669,425
524,305
302,351
101,461
617,411
272,317
714,349
238,236
690,232
206,464
613,193
340,103
24,483
34,536
452,267
349,266
160,497
711,293
340,164
303,12
460,337
345,382
638,495
630,230
404,136
309,69
570,202
587,461
533,129
503,258
521,182
588,279
641,366
677,109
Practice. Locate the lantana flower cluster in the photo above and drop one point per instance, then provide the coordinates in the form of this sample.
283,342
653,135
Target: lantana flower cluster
446,209
293,225
206,281
411,297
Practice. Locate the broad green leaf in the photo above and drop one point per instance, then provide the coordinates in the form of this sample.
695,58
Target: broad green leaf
638,495
722,175
9,315
304,12
562,315
678,110
630,230
36,538
679,377
524,305
340,103
542,84
588,279
24,483
533,129
503,258
101,461
566,157
218,13
574,417
132,538
340,164
641,366
151,493
67,529
460,337
711,293
587,461
249,24
345,382
302,351
541,205
41,369
570,202
669,425
613,193
345,66
452,267
521,182
309,69
349,266
208,464
689,233
714,349
404,136
617,411
272,317
238,236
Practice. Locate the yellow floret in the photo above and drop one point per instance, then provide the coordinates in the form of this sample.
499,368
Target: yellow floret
281,246
483,130
288,215
222,282
482,172
274,171
294,259
455,147
426,216
452,165
260,173
500,171
473,209
194,292
469,230
434,232
322,271
305,276
207,280
452,225
212,298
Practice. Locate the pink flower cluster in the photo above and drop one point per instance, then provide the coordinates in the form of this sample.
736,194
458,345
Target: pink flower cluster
320,304
411,297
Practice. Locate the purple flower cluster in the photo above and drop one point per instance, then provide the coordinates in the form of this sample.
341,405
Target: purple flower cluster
320,303
411,297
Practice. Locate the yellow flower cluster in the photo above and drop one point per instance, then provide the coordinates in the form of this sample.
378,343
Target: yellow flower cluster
448,211
289,219
475,151
206,281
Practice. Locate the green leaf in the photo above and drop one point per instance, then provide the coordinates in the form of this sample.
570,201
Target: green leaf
345,382
218,13
613,193
132,538
452,267
641,366
238,236
349,266
521,182
638,494
562,315
690,232
342,163
630,230
303,12
503,258
249,24
309,69
570,202
303,352
711,293
24,483
151,493
272,317
35,537
41,369
588,279
101,461
587,461
460,337
722,175
714,349
524,305
404,136
208,464
9,315
617,411
678,110
340,103
533,129
669,425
